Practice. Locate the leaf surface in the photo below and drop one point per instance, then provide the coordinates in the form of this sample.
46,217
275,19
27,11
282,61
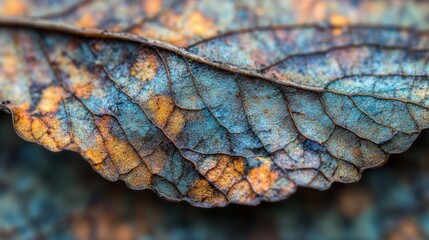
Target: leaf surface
238,117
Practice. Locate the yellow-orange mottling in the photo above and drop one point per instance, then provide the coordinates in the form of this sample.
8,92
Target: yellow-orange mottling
201,191
10,64
83,90
198,24
86,21
13,8
81,79
51,99
339,22
146,66
96,155
228,171
261,178
138,178
152,7
121,152
186,27
242,192
157,160
161,107
175,125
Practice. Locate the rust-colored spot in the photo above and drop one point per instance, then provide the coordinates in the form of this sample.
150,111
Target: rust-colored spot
242,192
175,125
38,128
83,90
79,80
319,11
157,160
152,7
10,63
13,8
138,178
185,27
198,24
121,152
261,178
96,155
146,66
56,138
51,99
161,107
227,172
22,121
339,22
86,21
201,191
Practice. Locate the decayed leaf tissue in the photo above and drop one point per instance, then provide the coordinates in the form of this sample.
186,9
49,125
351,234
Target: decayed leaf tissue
218,102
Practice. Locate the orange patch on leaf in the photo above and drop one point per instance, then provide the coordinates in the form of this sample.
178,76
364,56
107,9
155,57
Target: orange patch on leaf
86,21
339,22
139,178
83,90
13,8
262,178
51,99
227,172
203,192
152,7
242,192
157,160
161,107
175,125
10,64
121,152
198,24
146,66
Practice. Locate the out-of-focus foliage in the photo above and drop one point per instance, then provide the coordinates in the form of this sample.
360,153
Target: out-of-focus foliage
256,104
69,202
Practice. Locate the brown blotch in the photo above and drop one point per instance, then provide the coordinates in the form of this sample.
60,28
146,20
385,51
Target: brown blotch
22,121
152,7
340,22
186,27
203,192
83,90
51,99
121,152
242,192
87,20
13,8
146,66
139,178
175,125
227,172
80,79
107,169
262,178
161,107
10,63
157,160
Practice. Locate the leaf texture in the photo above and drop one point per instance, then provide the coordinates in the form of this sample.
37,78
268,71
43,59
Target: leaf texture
244,114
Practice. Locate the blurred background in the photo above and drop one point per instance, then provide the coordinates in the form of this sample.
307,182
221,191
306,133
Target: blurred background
46,195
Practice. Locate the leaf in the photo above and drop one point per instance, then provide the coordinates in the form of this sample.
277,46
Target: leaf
239,117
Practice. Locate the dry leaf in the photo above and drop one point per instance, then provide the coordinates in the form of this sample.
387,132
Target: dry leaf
257,102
